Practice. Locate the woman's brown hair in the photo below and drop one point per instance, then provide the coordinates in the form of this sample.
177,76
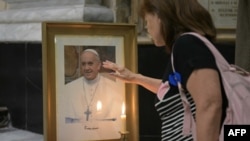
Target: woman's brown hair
179,16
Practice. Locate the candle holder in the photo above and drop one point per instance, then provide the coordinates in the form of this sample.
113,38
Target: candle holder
124,135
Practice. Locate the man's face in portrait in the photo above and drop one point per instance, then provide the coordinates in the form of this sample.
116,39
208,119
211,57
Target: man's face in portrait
90,65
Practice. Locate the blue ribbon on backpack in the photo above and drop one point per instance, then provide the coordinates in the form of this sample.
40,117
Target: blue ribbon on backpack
174,78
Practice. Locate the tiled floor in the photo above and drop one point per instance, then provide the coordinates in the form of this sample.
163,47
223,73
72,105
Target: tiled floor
14,134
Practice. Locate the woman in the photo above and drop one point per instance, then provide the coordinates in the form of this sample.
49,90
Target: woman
166,21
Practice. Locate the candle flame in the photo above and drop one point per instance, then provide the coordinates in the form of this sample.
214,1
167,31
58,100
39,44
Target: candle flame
99,105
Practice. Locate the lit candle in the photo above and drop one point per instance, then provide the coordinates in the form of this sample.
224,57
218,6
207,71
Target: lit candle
123,119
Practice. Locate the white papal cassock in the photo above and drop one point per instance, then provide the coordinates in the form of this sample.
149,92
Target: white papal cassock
79,118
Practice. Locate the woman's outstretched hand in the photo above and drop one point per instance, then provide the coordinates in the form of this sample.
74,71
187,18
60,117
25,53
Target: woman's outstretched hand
128,76
120,72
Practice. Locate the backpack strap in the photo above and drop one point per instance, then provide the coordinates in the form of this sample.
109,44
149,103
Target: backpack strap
188,121
224,65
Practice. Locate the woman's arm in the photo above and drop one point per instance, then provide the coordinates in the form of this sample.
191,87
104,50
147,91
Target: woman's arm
204,86
152,84
149,83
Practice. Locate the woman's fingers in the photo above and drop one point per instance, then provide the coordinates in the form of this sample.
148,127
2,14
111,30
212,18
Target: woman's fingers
120,72
107,65
110,65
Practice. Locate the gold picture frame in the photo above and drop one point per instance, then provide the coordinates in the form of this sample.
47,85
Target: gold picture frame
55,37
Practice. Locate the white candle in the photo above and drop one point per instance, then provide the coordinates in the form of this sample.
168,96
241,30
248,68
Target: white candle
123,119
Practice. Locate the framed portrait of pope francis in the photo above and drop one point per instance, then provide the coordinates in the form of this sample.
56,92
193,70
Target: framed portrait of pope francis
82,102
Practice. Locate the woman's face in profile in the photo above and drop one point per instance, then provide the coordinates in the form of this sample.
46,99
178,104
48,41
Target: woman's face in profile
153,26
